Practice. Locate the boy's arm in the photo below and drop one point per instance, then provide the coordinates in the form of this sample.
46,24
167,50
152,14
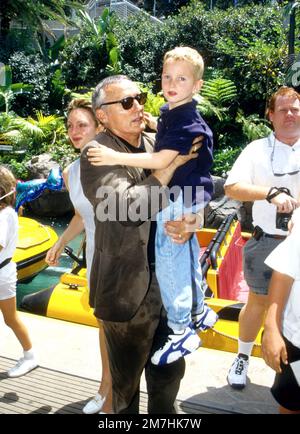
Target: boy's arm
104,156
273,346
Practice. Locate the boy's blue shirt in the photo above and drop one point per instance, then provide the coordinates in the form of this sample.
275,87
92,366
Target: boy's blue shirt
176,130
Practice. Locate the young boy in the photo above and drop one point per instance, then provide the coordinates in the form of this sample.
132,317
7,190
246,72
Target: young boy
281,339
177,265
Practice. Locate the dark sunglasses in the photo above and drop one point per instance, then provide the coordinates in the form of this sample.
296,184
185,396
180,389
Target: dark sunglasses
127,102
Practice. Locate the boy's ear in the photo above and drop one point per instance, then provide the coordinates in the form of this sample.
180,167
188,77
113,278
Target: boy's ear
198,85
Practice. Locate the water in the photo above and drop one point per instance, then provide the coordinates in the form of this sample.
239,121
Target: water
51,275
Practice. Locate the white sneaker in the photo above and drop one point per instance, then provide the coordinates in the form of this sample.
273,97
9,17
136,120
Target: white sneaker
237,375
94,405
205,320
22,367
177,345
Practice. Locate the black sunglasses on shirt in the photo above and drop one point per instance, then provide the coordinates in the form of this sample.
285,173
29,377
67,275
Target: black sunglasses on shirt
127,103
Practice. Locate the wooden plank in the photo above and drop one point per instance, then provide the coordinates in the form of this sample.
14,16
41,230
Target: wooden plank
47,391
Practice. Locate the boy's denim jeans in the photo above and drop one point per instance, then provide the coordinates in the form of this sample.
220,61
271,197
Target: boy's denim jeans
178,271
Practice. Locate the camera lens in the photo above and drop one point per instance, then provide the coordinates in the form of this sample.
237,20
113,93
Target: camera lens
282,220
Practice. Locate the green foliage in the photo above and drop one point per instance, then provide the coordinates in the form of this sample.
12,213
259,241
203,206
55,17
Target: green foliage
8,90
224,159
220,91
32,14
154,101
253,127
92,54
31,70
142,45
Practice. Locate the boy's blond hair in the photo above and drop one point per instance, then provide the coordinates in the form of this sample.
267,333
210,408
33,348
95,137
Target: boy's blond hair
189,55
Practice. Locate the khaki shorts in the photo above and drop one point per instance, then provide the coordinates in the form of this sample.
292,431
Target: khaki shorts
257,274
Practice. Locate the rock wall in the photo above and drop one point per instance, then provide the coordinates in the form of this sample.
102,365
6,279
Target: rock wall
50,203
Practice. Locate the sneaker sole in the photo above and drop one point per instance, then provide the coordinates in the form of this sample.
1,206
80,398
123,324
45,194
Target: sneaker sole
21,375
236,386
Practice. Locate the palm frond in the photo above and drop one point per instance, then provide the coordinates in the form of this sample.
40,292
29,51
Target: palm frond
220,91
253,126
208,109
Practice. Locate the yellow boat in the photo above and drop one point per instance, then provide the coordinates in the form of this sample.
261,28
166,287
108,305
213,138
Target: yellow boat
34,241
221,262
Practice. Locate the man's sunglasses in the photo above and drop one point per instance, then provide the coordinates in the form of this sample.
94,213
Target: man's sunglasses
294,172
127,103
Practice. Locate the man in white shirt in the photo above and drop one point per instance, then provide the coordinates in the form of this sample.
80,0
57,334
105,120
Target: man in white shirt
281,339
267,172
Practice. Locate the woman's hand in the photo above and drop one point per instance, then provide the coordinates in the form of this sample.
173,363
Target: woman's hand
54,253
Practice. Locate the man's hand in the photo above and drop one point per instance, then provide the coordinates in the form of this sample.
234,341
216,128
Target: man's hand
151,121
181,230
274,349
164,176
284,203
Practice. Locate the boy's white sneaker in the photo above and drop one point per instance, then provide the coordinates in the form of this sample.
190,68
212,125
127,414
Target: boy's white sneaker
205,320
176,345
22,367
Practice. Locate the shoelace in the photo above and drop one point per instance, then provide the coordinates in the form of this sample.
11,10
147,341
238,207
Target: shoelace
164,343
19,362
240,366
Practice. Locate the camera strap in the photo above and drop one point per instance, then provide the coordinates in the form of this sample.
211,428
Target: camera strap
278,190
5,262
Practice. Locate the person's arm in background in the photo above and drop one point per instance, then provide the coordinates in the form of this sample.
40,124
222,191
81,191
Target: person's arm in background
273,346
74,228
246,192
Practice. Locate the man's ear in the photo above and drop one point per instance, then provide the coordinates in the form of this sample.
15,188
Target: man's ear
101,116
270,116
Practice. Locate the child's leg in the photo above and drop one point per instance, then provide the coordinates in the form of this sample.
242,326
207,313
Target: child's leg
12,320
173,270
196,273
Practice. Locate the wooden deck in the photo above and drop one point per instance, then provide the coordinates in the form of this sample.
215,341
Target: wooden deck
47,391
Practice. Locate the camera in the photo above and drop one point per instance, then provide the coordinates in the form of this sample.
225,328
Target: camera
282,220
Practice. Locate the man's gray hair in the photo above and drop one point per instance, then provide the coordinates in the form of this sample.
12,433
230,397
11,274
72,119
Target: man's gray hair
98,97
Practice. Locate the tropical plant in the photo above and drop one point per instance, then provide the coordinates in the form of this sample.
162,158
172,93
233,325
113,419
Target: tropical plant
33,13
92,54
220,91
33,70
33,136
253,127
8,89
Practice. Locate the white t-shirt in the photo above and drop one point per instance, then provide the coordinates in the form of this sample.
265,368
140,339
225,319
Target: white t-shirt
8,240
286,260
8,232
254,166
